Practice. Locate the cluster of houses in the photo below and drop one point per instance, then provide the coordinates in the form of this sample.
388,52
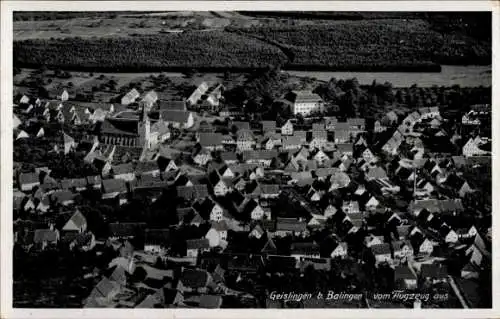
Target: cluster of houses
228,179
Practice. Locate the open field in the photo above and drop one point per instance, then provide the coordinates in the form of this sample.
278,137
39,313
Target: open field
465,76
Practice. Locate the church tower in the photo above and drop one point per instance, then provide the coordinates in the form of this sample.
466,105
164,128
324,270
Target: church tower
144,129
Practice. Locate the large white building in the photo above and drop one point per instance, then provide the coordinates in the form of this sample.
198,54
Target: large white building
305,102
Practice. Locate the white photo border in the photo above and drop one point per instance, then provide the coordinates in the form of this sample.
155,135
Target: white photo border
7,9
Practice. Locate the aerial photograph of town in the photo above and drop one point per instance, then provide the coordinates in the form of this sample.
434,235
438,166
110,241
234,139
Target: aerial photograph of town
252,159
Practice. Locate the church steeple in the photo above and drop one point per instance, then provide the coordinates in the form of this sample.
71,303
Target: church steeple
144,128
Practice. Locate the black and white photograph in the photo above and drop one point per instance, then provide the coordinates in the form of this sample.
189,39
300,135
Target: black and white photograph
249,159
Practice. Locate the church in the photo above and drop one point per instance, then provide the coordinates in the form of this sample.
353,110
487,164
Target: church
133,130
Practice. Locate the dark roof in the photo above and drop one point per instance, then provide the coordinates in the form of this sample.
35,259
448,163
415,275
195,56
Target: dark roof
172,105
290,224
210,301
381,249
194,278
192,192
103,288
259,154
403,272
211,139
78,219
113,185
122,168
42,235
68,183
197,243
157,237
268,125
93,180
28,178
175,116
125,229
240,125
433,271
304,248
143,167
116,127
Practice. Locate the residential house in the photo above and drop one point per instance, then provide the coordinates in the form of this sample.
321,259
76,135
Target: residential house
76,223
114,188
405,278
304,250
44,237
287,128
211,141
305,102
342,133
220,186
202,156
178,119
27,181
125,230
245,140
123,171
194,280
147,168
434,273
319,138
340,251
261,157
268,126
130,97
350,207
403,250
157,241
217,234
196,246
290,226
472,147
382,253
209,209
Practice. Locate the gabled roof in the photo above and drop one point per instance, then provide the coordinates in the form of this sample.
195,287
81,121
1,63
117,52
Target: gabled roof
172,105
78,220
211,139
113,185
290,224
356,121
42,235
210,301
240,125
194,278
192,192
259,154
157,237
126,229
175,116
304,248
125,168
268,125
381,249
403,272
305,97
28,178
433,271
197,243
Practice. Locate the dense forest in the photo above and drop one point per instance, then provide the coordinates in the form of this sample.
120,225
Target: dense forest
358,41
198,50
373,44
